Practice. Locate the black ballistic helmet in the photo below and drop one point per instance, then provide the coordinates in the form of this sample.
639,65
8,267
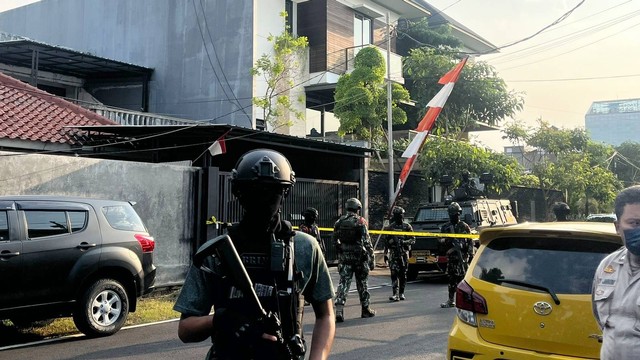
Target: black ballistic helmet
454,208
262,166
310,212
397,210
353,204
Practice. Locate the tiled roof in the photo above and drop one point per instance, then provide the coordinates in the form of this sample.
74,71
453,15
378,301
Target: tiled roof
28,113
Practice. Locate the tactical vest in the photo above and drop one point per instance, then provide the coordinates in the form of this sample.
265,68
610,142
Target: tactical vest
348,229
276,292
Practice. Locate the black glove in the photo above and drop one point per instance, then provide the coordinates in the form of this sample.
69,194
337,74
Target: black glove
237,327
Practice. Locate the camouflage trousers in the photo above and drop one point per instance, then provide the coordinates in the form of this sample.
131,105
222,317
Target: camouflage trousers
455,273
398,268
347,270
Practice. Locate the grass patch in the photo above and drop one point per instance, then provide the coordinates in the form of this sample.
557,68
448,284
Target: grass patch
156,306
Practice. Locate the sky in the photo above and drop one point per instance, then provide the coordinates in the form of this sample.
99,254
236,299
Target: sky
591,55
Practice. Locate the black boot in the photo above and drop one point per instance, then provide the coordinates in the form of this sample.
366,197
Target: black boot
368,312
339,313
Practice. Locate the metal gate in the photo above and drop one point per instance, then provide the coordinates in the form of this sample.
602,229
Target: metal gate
325,195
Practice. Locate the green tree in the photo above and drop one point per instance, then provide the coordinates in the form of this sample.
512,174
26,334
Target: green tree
449,156
417,33
361,98
626,163
479,94
568,160
277,71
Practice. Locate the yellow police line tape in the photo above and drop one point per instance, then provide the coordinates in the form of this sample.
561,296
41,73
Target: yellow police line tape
410,233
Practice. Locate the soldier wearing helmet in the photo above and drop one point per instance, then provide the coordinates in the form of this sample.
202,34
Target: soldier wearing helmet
310,226
396,252
268,247
355,257
561,210
460,250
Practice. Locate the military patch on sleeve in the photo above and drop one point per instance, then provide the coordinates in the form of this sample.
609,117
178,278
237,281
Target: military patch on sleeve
608,281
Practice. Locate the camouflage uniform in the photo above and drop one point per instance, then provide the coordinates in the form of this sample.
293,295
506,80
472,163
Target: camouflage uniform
355,256
398,247
314,231
457,266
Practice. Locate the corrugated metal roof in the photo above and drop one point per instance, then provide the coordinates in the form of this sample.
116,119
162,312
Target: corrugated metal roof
18,51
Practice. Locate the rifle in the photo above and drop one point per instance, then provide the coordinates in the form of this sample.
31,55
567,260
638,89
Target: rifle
222,247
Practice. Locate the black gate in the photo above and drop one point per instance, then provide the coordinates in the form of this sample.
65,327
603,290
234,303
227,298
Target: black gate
325,195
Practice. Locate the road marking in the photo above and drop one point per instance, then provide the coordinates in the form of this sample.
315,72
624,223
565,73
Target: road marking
48,341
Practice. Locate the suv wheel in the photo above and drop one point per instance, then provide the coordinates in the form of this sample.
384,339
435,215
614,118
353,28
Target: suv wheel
102,309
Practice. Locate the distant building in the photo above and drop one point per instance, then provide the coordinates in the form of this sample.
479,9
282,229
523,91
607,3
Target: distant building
614,122
528,158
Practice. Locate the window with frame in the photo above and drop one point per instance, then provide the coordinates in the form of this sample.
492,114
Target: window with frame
288,7
4,226
121,217
563,265
42,223
362,30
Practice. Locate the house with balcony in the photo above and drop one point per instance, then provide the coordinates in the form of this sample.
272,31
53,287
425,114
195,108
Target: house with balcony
164,61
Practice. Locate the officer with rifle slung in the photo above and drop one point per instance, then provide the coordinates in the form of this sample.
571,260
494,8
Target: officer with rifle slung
258,316
460,250
355,257
396,252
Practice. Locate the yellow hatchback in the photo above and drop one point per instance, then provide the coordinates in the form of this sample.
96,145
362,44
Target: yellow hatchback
527,293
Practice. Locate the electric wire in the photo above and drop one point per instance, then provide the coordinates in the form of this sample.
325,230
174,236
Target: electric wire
575,49
564,40
206,48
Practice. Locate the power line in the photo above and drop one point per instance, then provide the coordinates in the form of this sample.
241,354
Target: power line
557,21
577,33
204,43
566,39
578,48
577,79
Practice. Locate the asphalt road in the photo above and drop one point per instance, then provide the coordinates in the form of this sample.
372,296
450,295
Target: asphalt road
412,329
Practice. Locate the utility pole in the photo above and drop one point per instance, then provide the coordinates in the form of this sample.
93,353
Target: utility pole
389,114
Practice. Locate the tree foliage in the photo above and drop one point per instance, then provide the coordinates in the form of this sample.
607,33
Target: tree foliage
276,70
626,163
361,98
448,156
479,94
417,33
568,160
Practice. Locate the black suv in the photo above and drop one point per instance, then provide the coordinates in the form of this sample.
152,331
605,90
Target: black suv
63,256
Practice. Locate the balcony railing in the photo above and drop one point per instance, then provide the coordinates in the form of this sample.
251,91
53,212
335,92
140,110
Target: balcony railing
130,117
342,62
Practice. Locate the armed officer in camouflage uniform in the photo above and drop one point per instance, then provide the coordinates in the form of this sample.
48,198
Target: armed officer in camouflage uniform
460,250
269,250
355,256
310,226
398,247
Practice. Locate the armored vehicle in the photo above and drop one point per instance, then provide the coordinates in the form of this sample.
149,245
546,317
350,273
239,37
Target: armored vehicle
428,254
